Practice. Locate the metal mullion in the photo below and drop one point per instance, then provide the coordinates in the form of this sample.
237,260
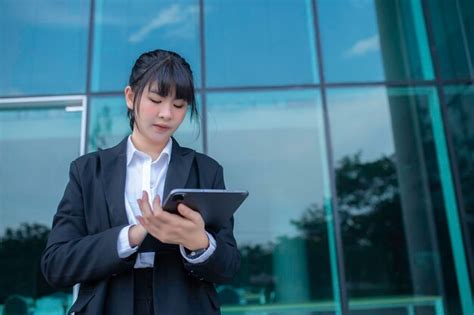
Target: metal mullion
40,96
457,81
120,93
90,47
203,77
332,176
381,83
284,87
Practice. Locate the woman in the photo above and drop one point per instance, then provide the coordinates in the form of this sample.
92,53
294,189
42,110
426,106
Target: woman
110,233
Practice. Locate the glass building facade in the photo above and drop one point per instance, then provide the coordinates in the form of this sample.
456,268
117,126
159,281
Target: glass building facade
350,122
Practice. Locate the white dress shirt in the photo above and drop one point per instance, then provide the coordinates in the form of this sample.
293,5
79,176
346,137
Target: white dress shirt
143,174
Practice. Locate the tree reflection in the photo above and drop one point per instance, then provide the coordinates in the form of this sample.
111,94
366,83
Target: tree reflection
372,229
376,261
101,129
20,253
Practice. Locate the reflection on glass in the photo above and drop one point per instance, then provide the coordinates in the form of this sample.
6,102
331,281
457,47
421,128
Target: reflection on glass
453,26
34,163
43,47
269,144
259,43
109,124
374,40
124,29
460,117
389,191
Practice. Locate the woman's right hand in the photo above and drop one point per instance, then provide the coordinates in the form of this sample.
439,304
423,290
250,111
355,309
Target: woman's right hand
136,235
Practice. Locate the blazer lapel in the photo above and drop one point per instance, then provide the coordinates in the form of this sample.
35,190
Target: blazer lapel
178,169
114,166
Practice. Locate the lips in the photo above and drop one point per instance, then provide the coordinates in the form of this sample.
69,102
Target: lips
161,127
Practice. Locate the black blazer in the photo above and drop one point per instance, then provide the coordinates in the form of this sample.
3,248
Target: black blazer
82,245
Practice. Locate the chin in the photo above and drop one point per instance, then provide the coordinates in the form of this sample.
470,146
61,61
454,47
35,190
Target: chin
159,139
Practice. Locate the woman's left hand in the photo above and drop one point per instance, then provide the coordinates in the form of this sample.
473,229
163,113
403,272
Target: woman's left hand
187,229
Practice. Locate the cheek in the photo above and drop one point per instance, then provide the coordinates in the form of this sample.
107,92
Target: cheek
181,115
148,110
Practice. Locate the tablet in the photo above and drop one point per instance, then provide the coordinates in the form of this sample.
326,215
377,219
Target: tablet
216,206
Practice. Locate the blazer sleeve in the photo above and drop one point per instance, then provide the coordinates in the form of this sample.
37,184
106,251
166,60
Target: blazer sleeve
72,255
224,263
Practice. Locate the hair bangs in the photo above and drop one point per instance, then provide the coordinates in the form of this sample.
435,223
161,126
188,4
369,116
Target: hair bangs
172,78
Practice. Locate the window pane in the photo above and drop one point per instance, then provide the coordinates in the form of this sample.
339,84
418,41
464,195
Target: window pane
43,46
34,167
124,29
259,43
374,40
453,28
460,118
108,125
389,190
272,144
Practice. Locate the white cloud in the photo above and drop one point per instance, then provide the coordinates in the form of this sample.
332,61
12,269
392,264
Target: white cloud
363,47
178,16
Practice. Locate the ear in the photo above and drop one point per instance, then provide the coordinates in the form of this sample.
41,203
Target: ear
129,95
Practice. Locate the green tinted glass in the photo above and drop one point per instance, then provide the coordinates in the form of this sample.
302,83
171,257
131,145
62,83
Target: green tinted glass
460,116
452,22
396,201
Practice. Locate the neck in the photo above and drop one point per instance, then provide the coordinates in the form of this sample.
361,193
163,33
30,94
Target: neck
151,148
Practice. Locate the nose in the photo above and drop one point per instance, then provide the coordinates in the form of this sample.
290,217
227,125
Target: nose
165,111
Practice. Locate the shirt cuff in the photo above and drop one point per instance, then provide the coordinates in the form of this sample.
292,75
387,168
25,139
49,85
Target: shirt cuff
204,256
123,244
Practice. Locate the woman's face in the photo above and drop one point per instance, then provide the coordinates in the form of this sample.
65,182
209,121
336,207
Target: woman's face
158,117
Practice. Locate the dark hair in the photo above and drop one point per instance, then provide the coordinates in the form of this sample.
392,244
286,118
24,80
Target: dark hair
170,71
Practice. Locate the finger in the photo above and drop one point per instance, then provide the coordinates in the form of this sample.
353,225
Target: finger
189,213
144,205
157,204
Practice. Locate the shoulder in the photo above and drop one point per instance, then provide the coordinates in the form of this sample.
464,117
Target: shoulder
86,160
210,172
93,160
203,161
206,161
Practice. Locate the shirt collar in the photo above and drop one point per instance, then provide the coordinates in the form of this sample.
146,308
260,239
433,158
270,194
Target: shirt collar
133,151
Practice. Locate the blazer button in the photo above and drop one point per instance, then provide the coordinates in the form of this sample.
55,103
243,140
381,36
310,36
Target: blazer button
201,279
114,275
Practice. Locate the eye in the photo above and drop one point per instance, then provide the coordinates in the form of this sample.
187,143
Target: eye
155,101
178,105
